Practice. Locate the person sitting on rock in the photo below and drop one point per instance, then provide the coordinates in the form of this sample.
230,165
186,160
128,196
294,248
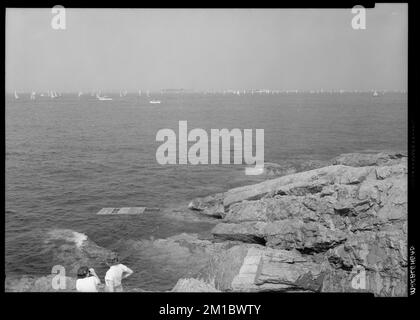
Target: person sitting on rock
88,280
115,274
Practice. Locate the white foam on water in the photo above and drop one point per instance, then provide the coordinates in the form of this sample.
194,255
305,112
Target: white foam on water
69,235
79,238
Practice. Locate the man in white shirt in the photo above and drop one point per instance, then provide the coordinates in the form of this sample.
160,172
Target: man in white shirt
88,280
115,274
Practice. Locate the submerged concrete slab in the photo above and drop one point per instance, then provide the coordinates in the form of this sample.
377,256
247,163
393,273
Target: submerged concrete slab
125,210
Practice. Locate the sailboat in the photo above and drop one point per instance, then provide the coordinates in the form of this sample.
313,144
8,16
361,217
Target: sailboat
375,93
80,94
33,94
16,95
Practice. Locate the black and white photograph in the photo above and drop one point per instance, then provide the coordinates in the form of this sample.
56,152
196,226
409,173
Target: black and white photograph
207,151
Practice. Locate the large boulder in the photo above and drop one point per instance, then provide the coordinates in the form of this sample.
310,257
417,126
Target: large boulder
307,182
346,218
257,268
212,205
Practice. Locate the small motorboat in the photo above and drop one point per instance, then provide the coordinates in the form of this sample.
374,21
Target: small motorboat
103,98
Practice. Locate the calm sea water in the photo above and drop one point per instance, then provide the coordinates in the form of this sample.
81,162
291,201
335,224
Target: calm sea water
68,158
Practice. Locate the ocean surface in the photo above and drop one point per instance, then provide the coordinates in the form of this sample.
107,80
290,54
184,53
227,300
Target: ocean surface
66,158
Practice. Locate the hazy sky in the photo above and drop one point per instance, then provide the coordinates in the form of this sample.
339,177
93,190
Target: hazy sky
112,49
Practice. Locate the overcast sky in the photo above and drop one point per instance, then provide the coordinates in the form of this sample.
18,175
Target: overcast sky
112,49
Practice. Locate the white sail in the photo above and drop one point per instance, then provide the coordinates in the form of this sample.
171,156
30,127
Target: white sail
16,95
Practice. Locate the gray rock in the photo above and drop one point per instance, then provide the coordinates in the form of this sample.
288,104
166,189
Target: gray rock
306,237
382,256
337,219
193,285
369,159
313,181
258,268
210,205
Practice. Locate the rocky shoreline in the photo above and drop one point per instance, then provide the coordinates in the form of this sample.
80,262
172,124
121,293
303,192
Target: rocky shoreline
334,226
